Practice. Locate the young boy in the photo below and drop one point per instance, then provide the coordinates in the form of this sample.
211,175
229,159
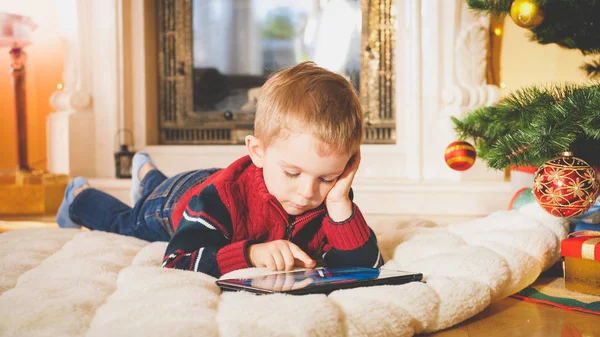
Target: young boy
286,202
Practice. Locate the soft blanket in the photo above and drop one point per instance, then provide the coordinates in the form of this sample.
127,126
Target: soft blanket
57,282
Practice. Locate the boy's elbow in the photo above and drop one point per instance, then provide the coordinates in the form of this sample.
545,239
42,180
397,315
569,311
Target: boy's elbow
367,256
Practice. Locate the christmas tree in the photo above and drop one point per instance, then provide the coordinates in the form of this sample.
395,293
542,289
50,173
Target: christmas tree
535,124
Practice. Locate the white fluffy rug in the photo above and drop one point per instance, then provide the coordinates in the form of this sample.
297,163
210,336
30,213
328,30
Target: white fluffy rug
57,282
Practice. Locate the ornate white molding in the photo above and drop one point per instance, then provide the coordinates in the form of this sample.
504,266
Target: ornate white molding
75,35
71,142
470,89
63,100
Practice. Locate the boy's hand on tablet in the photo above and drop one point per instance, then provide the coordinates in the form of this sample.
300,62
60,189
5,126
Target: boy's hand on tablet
279,255
280,282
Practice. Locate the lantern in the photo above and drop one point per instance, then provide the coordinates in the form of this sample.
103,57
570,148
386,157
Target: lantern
123,159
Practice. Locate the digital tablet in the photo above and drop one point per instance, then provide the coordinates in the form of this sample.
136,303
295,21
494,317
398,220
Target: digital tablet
318,281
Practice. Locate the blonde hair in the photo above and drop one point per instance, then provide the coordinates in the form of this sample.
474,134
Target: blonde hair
308,98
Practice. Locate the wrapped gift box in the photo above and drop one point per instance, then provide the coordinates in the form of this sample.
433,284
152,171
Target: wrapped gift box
521,177
582,262
31,192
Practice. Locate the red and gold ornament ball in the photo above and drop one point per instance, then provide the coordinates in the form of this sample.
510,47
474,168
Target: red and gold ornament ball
565,186
460,155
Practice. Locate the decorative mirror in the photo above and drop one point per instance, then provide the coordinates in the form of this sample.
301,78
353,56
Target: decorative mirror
214,55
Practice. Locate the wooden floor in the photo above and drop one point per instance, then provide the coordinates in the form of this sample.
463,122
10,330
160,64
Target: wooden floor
507,318
515,318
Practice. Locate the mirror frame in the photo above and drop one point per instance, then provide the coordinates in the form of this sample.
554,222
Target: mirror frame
178,124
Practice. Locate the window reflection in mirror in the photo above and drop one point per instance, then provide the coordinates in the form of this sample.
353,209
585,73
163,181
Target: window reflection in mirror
237,44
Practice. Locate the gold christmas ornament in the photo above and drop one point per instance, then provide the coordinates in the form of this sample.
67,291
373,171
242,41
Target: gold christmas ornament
526,13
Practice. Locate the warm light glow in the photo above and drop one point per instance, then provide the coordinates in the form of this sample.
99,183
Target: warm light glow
502,85
44,70
59,86
526,8
498,31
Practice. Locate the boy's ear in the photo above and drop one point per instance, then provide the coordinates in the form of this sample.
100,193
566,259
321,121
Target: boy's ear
255,150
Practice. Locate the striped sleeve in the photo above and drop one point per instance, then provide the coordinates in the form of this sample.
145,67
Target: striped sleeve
202,239
350,243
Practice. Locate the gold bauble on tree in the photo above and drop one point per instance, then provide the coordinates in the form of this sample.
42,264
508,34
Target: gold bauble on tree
526,13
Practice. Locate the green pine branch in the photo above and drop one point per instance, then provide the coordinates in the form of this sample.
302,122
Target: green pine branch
569,24
592,69
498,7
533,125
536,124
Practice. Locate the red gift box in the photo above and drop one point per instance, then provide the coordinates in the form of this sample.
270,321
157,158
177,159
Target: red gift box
524,169
582,262
582,247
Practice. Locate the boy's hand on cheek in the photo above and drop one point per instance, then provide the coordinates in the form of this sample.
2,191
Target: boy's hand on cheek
279,255
338,201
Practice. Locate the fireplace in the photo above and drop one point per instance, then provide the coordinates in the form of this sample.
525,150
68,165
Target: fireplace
438,70
213,56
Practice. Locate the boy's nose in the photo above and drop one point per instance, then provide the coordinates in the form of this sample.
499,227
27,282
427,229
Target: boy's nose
307,189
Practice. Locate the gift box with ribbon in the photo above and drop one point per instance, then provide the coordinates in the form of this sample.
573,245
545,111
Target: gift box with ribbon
581,251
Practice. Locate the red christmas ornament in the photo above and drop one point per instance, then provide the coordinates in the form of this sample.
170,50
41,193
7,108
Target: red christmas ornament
460,155
565,186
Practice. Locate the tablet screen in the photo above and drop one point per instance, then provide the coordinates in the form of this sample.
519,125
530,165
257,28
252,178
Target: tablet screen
329,278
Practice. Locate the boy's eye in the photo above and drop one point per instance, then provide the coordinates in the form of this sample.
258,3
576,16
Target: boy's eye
291,175
326,181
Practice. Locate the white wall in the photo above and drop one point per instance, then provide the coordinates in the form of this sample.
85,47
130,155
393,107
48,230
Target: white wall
520,61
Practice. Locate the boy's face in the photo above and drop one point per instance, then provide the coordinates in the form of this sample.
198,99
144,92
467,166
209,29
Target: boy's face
294,172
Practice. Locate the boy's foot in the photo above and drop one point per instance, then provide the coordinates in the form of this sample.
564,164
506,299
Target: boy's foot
62,216
140,166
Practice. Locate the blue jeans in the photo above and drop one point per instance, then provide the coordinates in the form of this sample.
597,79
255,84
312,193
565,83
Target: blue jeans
149,219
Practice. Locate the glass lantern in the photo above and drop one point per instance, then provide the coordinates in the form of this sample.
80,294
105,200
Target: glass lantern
123,159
